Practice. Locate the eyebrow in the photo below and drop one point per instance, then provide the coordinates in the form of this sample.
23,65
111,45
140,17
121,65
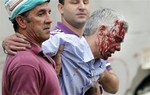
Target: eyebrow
43,10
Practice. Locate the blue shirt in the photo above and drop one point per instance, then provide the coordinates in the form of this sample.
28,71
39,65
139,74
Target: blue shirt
79,68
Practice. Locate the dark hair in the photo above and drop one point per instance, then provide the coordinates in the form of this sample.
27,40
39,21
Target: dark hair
15,24
61,1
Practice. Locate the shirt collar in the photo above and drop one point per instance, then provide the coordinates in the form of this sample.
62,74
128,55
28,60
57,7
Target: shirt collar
64,29
36,49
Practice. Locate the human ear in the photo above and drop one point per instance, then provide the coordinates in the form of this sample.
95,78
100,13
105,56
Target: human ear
21,21
101,29
60,8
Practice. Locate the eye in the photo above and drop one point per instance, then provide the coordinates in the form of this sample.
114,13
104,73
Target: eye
74,1
41,13
50,11
86,1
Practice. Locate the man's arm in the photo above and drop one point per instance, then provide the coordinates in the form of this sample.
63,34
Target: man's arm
57,59
14,43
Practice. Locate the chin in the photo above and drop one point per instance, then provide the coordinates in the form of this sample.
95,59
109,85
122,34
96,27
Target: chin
105,57
82,21
46,38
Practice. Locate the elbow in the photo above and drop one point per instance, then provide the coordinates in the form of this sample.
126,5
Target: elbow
113,90
111,87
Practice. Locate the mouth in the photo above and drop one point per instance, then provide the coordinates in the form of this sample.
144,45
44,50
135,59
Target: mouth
81,14
109,54
47,28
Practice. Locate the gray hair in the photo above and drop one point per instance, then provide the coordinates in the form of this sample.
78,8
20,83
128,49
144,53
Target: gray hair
104,16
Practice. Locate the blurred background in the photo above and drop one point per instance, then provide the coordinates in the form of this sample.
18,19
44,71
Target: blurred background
132,63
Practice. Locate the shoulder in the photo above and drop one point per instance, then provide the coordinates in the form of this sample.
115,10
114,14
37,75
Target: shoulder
23,58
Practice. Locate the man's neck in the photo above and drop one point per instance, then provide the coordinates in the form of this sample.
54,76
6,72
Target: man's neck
30,38
76,30
92,45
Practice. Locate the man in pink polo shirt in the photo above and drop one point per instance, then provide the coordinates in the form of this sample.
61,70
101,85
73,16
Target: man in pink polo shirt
30,72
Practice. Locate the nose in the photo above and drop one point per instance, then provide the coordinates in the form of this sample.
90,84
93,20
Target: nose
118,47
81,5
48,18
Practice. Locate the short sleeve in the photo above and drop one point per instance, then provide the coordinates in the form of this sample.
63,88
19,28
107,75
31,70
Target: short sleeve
24,80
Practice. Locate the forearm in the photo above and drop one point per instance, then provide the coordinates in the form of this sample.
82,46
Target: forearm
109,82
57,59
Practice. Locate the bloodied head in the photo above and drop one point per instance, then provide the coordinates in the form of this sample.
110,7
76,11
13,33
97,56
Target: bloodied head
106,29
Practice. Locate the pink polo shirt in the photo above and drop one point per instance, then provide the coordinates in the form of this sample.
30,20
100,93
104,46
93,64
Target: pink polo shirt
30,72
